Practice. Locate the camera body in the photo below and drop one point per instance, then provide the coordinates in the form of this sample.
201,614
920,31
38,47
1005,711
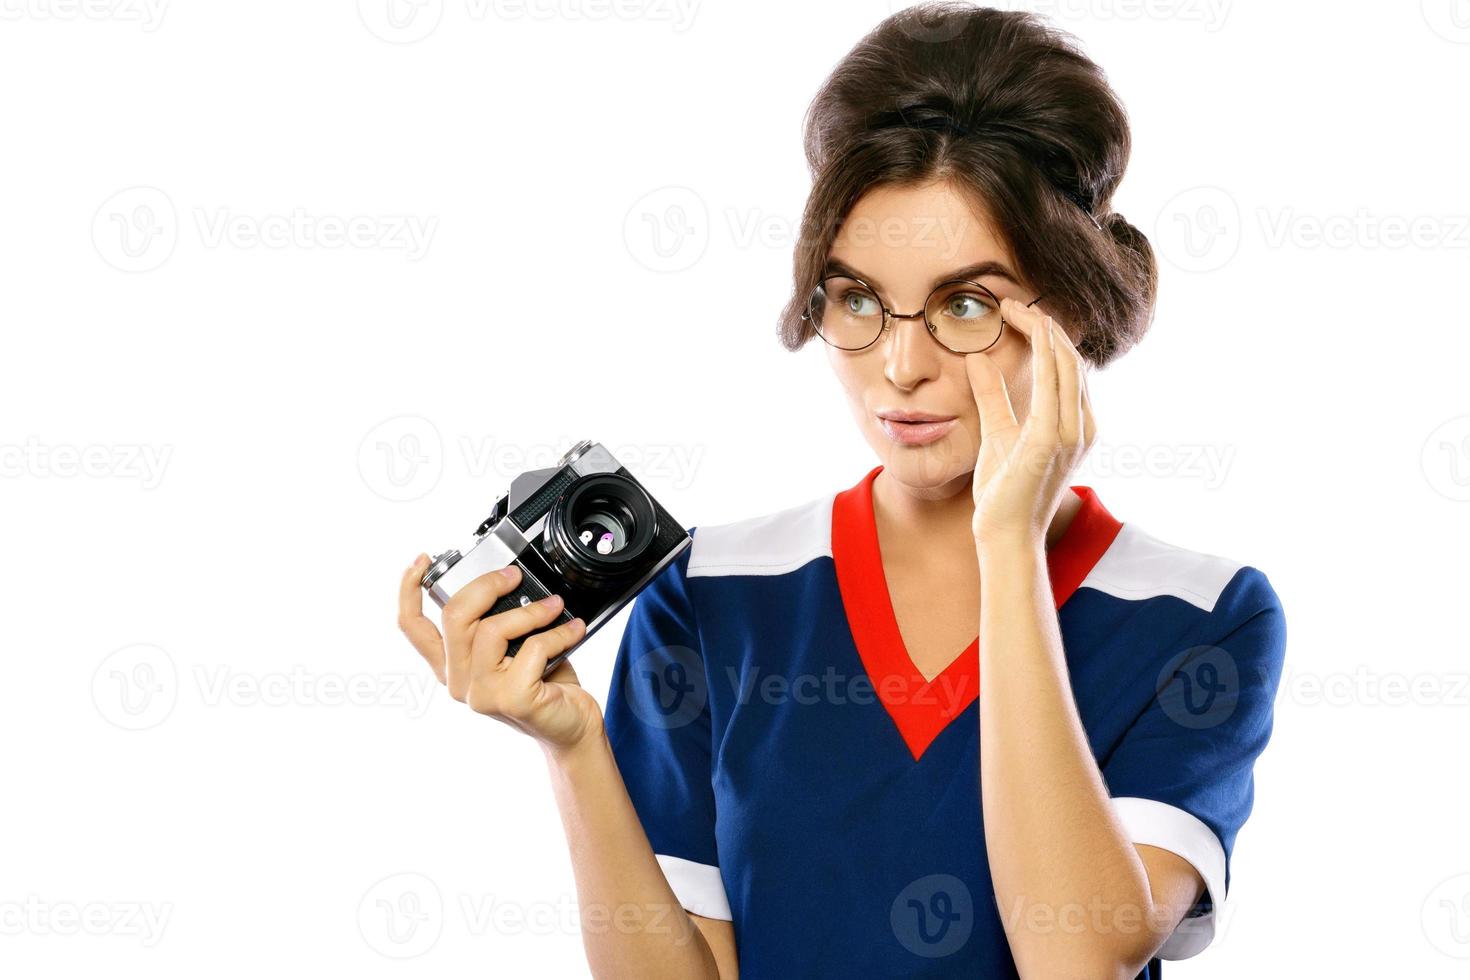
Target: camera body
584,529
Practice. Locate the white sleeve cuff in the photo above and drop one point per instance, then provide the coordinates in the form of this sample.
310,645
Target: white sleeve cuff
1172,829
698,887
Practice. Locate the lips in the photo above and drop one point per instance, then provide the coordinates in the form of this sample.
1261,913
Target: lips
915,428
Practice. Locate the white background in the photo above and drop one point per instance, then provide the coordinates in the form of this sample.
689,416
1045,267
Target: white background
220,451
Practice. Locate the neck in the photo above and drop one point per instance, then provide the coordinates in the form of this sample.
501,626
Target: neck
946,513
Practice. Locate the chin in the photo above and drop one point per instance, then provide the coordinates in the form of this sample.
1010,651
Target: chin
932,467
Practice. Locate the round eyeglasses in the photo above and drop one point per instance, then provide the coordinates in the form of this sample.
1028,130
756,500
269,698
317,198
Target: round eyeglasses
962,315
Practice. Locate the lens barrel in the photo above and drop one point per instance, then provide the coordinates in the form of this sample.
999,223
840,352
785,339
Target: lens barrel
605,509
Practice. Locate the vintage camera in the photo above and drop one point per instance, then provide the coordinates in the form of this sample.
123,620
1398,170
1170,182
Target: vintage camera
584,529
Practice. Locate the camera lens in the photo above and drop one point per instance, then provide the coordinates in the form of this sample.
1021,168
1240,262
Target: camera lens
600,531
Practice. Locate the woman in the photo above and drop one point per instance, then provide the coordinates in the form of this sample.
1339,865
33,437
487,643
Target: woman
955,720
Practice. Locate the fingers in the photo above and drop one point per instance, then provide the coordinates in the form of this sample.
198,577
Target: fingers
531,659
421,632
1069,391
493,635
462,617
988,384
1042,419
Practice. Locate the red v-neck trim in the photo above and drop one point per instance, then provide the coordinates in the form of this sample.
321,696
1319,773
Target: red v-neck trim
921,709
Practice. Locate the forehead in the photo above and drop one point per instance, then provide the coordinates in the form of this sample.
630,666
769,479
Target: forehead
906,238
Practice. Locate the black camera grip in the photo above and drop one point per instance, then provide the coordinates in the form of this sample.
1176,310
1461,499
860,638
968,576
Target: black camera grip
527,592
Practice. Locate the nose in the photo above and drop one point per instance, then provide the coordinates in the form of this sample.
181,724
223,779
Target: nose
912,355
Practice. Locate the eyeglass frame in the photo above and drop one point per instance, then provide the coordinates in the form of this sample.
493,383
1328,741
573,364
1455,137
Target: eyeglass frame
887,313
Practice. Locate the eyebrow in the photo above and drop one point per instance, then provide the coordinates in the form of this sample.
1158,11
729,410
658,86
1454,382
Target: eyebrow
974,271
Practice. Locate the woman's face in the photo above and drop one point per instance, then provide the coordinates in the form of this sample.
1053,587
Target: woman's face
903,241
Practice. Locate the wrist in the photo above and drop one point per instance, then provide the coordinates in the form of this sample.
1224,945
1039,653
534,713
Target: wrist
1010,547
590,749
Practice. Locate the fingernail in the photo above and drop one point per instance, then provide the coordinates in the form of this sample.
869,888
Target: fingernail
551,600
509,571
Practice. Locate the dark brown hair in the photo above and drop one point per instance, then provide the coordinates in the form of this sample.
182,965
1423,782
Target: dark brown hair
1010,110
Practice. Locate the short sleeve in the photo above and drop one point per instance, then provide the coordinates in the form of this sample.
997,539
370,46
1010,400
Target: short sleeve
657,721
1181,778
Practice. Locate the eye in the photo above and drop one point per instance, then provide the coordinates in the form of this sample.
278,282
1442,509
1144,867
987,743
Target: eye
858,303
967,306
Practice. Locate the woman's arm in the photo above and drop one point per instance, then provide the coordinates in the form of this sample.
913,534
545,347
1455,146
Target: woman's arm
632,923
1076,897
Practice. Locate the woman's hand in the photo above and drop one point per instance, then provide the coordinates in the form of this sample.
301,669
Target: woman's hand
1023,469
469,658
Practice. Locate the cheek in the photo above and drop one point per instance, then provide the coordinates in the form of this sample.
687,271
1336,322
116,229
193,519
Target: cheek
854,373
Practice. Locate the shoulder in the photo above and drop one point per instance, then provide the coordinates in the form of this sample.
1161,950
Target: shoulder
769,544
1231,605
1139,566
